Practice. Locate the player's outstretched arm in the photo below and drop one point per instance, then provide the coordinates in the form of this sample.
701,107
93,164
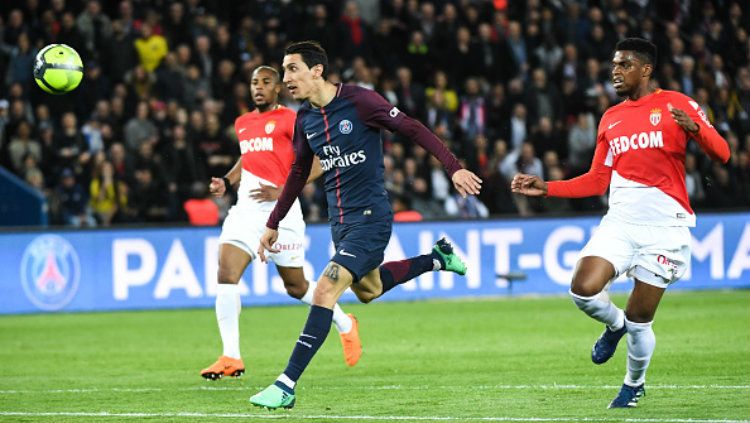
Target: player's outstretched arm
594,182
529,185
375,111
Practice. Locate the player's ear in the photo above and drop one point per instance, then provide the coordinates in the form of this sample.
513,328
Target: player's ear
317,70
648,69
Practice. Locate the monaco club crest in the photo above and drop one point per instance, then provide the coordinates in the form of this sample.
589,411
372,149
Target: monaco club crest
655,116
270,126
50,270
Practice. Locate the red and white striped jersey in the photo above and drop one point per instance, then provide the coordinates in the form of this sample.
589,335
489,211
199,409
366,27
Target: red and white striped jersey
640,154
265,141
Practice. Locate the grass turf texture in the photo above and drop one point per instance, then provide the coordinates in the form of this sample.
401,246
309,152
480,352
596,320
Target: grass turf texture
513,359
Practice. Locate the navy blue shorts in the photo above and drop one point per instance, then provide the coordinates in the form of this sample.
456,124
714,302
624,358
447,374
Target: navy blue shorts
360,246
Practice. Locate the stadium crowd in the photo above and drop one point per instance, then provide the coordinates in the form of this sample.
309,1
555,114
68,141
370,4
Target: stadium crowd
511,86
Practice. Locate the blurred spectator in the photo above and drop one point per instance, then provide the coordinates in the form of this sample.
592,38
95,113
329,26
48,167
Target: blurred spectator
581,141
182,167
119,54
22,145
147,199
693,182
151,48
73,201
410,95
469,207
70,148
472,117
108,194
354,32
21,62
463,59
498,111
94,26
139,128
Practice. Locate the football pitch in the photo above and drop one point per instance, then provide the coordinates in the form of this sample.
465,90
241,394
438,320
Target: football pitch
514,360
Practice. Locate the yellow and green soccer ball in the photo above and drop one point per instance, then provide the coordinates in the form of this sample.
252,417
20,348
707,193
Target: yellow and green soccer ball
58,69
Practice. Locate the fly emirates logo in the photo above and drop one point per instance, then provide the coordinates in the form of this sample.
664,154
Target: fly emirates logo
334,158
256,144
639,140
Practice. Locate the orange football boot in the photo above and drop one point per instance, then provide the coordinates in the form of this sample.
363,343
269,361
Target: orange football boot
224,366
350,342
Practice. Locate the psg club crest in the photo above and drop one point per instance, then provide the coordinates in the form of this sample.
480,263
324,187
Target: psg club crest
270,126
345,126
50,270
655,116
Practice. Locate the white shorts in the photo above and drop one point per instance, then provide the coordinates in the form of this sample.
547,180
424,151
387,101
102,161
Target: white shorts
656,255
243,229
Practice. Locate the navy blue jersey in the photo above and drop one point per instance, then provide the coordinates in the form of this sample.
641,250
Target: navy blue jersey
345,135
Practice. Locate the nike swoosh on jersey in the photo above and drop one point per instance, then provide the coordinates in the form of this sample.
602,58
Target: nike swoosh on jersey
344,253
241,130
612,125
311,135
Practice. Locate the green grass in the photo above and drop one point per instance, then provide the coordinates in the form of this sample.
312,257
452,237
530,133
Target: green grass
512,359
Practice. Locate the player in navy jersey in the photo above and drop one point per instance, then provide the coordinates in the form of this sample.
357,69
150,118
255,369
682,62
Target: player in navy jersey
341,125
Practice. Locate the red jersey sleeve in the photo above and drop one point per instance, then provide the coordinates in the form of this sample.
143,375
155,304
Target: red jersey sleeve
707,137
595,181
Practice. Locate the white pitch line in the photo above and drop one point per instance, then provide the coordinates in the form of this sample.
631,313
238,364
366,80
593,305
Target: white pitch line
364,417
375,388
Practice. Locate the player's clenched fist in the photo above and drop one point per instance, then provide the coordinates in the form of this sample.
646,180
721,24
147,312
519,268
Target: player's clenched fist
217,187
530,185
267,240
466,182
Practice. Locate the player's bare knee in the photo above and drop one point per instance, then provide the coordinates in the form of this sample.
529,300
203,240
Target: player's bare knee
295,289
365,296
226,276
584,286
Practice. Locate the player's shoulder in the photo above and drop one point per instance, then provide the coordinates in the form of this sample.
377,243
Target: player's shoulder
286,113
677,97
355,92
246,117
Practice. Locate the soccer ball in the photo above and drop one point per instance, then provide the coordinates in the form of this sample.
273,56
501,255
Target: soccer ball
58,69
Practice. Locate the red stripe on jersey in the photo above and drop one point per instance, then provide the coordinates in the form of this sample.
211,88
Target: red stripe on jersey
338,179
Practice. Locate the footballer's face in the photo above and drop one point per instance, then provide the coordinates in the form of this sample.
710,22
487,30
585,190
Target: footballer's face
298,77
628,72
264,87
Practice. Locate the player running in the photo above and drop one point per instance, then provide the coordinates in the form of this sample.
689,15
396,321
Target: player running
265,138
640,154
341,125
